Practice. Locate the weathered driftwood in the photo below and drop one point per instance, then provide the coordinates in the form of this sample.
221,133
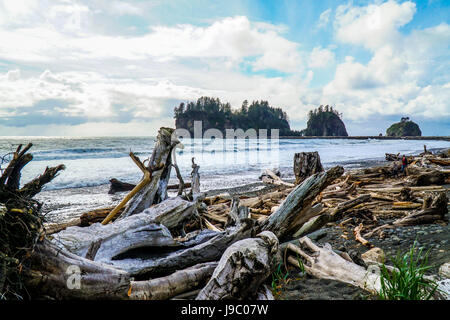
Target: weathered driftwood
242,269
119,186
424,177
435,212
347,205
146,229
358,237
204,247
305,165
323,262
154,188
393,157
57,273
311,224
268,176
170,286
264,293
195,178
432,211
294,211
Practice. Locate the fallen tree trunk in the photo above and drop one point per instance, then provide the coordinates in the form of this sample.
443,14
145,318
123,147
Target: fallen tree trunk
146,229
293,212
243,268
62,275
174,284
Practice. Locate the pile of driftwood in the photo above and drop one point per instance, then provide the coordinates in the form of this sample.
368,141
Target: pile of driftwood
151,246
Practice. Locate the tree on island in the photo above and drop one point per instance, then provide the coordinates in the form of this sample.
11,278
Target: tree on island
325,121
404,128
215,114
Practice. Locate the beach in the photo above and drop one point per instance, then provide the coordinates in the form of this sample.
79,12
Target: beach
91,162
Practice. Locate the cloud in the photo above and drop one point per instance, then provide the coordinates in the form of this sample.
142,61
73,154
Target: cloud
320,57
374,25
407,73
232,38
324,19
61,65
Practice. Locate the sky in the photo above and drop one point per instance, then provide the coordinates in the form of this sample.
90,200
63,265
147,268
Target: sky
111,67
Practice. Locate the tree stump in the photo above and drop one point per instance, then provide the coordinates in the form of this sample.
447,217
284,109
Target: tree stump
306,164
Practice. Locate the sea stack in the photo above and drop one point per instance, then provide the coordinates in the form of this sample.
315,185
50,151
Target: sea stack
404,128
325,122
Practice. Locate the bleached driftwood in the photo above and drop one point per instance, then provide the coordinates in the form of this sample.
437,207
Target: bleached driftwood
178,282
153,188
294,211
146,229
323,262
63,275
242,269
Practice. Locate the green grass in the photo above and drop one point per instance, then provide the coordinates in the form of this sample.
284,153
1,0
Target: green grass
408,281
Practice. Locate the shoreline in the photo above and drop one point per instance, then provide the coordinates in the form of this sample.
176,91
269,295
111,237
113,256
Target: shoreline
432,237
63,204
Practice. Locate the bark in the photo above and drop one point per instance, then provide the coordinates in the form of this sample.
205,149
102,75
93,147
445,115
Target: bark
159,167
174,284
195,184
56,272
206,246
242,269
435,212
336,214
323,262
146,229
293,212
305,165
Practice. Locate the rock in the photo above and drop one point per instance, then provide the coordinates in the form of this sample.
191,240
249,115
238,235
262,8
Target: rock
324,121
373,255
404,128
444,270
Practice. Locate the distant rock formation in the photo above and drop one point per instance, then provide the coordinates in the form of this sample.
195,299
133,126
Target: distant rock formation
324,121
217,115
404,128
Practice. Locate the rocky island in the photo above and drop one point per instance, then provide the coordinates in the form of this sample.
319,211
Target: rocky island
404,128
325,121
217,115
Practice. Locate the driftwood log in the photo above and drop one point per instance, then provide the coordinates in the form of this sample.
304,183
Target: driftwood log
153,187
306,164
294,211
149,228
243,268
323,262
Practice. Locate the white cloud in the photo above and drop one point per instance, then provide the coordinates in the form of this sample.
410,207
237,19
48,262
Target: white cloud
407,74
373,25
123,8
324,19
320,57
231,38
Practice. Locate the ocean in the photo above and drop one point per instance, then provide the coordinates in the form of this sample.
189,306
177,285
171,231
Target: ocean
91,162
